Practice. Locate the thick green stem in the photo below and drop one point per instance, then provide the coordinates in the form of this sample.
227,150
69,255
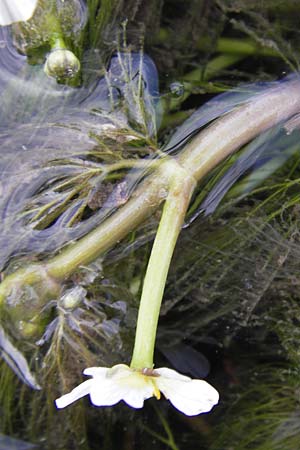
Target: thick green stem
238,127
176,204
58,43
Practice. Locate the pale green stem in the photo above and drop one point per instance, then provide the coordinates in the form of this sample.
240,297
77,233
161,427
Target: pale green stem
58,43
53,27
176,204
239,126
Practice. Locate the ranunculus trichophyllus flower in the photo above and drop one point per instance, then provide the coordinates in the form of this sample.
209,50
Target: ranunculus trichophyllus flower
16,11
108,386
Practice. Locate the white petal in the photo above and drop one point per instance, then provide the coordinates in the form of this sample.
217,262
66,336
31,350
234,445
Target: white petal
122,383
172,374
190,397
135,386
78,392
16,11
119,371
96,371
105,392
136,399
135,395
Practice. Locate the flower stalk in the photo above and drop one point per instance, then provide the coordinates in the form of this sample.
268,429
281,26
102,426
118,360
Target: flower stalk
176,204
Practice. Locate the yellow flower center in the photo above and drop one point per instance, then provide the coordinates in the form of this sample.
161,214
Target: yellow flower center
156,391
135,378
151,375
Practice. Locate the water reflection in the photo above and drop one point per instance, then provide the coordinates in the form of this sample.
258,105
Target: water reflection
50,134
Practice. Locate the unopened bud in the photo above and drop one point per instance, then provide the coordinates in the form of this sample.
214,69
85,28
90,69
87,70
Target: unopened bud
61,64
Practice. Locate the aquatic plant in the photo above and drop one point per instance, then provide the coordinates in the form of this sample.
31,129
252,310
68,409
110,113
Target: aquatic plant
96,191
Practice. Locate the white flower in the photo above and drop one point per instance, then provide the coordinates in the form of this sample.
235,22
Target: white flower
16,11
108,386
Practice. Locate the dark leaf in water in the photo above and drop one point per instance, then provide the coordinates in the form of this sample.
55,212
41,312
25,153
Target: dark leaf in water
187,360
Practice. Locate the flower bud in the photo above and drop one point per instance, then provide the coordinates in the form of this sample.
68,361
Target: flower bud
61,64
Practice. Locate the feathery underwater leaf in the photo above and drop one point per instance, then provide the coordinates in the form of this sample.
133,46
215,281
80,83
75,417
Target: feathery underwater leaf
57,132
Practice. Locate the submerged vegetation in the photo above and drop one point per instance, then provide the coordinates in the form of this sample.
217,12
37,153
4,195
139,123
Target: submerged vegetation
87,160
